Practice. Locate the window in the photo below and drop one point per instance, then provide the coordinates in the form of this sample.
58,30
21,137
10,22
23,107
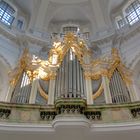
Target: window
70,29
6,13
133,12
121,23
19,24
86,35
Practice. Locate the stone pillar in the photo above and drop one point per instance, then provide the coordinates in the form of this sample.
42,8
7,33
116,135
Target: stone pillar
89,90
133,94
107,94
33,91
51,93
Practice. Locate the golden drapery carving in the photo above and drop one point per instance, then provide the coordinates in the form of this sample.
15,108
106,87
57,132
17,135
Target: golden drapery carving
42,92
24,64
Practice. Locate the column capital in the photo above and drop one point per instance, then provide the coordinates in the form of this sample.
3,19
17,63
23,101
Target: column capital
53,76
104,73
87,75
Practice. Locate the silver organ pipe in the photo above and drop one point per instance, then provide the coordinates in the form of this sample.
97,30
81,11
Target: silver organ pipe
70,72
66,76
21,93
118,95
82,85
118,89
63,76
112,90
74,78
58,85
56,88
69,81
78,77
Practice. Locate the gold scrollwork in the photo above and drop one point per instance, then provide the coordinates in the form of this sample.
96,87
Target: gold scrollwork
98,92
117,64
21,67
42,92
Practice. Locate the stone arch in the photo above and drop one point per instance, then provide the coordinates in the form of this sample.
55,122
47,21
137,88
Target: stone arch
73,8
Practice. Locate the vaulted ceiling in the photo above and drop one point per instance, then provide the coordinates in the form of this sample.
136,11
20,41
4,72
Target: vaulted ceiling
28,4
112,4
94,12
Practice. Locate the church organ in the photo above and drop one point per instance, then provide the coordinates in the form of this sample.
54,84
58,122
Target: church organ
72,67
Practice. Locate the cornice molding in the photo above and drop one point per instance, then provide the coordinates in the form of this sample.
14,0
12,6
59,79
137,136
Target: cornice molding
34,40
49,128
125,36
16,38
8,35
103,41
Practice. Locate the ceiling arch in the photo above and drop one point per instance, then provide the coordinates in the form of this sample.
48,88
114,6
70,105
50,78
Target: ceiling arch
59,13
113,4
69,13
25,5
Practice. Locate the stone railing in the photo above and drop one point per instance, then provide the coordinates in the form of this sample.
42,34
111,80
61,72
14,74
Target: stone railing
93,115
25,113
135,112
47,115
4,113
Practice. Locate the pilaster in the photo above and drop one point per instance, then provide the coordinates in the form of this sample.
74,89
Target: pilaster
51,93
133,94
89,90
33,91
107,93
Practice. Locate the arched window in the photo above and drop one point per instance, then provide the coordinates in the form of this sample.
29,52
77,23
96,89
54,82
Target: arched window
120,22
133,12
19,24
6,13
